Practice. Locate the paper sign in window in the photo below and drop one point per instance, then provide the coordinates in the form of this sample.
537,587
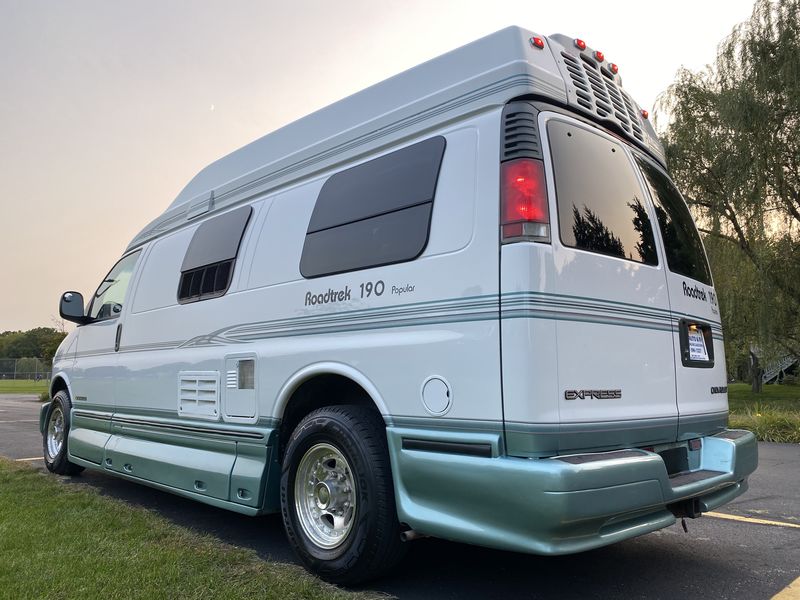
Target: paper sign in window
697,346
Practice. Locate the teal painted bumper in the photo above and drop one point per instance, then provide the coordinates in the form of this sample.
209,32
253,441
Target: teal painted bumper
556,505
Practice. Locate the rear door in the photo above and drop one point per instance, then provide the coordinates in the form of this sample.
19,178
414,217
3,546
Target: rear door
609,298
697,335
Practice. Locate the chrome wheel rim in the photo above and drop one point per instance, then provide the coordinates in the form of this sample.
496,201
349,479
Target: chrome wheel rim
325,496
55,432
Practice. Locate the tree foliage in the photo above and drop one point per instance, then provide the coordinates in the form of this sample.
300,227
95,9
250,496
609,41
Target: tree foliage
40,342
733,146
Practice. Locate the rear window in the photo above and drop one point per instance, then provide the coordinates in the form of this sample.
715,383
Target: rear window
682,244
600,204
376,213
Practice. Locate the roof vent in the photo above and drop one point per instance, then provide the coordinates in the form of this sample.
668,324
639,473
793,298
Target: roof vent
601,95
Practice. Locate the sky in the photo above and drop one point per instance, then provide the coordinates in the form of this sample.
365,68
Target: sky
107,109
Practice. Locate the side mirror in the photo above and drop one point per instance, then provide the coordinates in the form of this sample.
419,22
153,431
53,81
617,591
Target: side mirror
71,308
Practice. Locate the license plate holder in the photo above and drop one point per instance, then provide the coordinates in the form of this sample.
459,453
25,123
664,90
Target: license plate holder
697,344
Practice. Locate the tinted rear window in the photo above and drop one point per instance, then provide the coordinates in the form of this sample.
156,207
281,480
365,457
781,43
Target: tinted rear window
682,244
600,204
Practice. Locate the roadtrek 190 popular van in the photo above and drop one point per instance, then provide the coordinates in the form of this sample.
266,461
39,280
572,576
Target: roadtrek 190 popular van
466,302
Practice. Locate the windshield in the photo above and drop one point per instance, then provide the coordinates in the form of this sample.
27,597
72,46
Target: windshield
682,244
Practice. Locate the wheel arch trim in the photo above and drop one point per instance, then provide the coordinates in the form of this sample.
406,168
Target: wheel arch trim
65,378
327,368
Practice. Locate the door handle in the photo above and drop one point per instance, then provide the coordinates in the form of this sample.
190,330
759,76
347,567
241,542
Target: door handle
119,335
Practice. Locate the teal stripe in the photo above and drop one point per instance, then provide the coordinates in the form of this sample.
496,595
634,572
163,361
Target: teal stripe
580,319
613,302
487,307
445,424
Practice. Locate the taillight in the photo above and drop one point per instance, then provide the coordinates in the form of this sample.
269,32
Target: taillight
523,201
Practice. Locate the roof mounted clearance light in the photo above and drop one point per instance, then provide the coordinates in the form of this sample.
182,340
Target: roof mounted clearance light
614,68
523,201
580,44
599,56
645,114
537,42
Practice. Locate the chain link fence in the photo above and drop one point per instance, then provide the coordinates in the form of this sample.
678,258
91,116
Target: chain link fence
24,368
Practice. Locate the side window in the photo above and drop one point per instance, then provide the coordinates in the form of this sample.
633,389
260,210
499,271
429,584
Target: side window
207,267
682,244
110,295
600,203
376,213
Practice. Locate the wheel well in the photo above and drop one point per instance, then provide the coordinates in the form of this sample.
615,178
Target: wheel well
314,393
57,385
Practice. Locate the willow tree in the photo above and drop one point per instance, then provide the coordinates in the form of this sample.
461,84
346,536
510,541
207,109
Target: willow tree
733,146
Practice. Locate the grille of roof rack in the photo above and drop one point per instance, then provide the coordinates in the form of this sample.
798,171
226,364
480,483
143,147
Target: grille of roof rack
596,91
520,133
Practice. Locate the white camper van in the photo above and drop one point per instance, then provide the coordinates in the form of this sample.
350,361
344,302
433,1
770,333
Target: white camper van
467,302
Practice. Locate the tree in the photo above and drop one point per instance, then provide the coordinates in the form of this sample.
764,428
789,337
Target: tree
590,232
40,342
733,146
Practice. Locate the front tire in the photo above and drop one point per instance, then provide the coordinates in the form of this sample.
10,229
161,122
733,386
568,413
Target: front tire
54,438
337,496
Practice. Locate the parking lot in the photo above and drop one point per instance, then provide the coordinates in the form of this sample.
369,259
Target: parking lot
748,549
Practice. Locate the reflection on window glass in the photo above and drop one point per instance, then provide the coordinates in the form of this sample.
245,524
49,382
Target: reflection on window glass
110,295
682,243
600,206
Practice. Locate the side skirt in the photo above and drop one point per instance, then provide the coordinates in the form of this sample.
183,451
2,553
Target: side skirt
232,506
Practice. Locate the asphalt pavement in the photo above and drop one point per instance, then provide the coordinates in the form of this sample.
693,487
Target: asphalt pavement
754,553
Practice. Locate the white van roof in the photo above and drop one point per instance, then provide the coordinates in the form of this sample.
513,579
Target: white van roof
479,76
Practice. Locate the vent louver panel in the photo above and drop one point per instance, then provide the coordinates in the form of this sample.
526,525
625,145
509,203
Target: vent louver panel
596,91
520,132
232,379
198,394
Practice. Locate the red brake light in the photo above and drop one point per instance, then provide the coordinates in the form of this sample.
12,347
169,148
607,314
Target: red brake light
580,44
599,55
523,197
645,114
537,42
614,68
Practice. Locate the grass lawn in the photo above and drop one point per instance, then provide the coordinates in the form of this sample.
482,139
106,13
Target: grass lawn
773,415
67,541
23,386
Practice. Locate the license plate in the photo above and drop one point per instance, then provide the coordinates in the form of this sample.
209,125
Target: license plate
697,346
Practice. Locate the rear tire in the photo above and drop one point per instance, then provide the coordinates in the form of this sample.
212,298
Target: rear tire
55,436
337,496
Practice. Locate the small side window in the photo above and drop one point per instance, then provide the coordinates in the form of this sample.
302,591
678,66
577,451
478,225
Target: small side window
374,214
207,268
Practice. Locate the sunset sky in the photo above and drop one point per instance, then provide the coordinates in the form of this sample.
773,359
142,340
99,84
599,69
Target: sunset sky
107,109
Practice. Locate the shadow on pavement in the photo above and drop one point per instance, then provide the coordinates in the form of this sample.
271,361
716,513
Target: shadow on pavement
666,564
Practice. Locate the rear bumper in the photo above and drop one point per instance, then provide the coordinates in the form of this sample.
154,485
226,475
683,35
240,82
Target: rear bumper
563,504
